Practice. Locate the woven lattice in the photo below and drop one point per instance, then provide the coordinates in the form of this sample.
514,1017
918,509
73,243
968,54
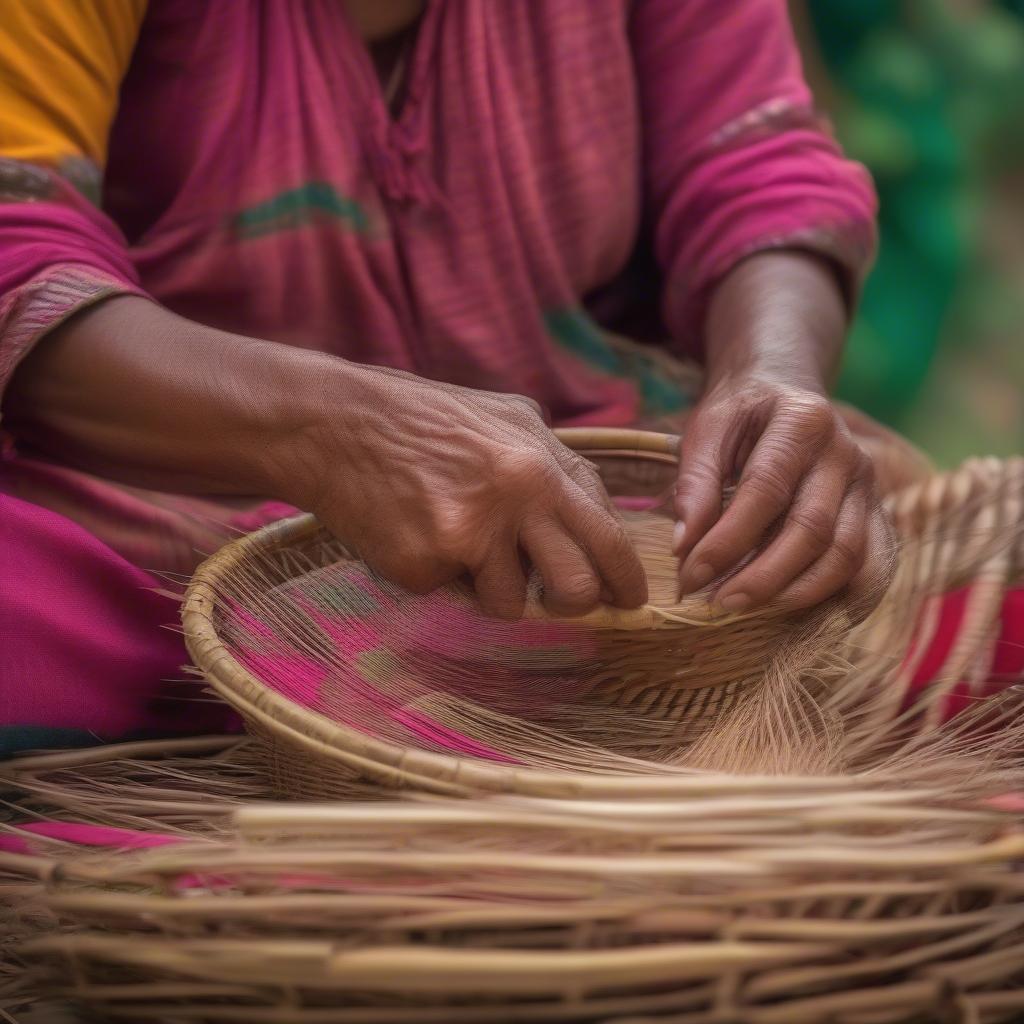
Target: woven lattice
302,631
328,662
838,900
868,871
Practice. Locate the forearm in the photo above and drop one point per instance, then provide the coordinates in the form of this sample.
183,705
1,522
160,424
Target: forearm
778,315
426,481
134,392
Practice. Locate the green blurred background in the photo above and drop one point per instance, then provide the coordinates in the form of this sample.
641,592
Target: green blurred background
929,94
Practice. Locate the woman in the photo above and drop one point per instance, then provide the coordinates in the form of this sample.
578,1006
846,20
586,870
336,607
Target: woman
422,211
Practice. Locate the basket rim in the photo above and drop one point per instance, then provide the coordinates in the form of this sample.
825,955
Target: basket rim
382,760
385,762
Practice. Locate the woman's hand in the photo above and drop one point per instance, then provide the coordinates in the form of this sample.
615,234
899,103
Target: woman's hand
428,482
804,521
798,472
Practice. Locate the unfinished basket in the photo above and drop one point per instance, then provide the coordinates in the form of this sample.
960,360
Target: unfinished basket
159,882
346,678
330,664
885,898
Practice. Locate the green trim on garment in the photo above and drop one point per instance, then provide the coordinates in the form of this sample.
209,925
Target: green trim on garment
299,206
575,332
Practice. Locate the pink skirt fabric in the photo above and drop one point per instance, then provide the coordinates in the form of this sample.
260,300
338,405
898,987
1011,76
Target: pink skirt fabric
92,649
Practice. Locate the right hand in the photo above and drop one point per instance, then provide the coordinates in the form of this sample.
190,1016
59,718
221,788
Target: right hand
428,482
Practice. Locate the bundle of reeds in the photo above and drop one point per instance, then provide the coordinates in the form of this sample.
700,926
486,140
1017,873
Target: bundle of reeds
842,899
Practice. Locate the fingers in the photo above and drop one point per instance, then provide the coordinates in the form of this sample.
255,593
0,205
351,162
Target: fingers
580,545
500,583
584,555
600,531
571,583
611,551
806,534
769,483
706,460
843,560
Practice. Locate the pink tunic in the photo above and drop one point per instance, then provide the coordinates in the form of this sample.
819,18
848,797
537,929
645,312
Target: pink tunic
557,168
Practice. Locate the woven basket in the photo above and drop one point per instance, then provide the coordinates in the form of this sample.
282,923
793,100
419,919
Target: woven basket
956,529
667,670
775,901
888,890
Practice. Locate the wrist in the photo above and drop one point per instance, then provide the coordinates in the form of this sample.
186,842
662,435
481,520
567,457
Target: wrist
768,375
285,422
776,318
323,412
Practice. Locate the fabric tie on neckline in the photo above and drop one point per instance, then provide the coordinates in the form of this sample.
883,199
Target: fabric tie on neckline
396,143
398,173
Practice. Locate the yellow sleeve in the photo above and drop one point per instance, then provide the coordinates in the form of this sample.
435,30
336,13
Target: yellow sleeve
61,65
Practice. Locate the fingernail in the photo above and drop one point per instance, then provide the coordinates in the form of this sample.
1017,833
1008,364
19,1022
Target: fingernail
735,603
698,577
677,536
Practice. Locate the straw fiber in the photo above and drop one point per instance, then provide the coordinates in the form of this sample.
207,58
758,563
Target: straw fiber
657,816
761,900
333,666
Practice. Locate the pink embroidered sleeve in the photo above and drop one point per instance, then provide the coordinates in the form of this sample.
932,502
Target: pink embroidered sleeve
58,254
736,161
61,66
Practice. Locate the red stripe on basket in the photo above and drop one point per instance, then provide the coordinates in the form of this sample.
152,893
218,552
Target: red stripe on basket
1008,661
449,740
950,618
14,844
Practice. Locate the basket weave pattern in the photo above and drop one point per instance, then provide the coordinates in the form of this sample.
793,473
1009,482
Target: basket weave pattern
887,888
766,901
659,677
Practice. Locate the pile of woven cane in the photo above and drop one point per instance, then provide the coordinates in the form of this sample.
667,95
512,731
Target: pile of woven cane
815,848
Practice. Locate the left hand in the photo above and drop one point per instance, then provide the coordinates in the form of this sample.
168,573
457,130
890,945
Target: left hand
800,475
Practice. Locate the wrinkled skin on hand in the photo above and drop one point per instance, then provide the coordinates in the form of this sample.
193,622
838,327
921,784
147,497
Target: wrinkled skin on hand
429,482
804,522
801,478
